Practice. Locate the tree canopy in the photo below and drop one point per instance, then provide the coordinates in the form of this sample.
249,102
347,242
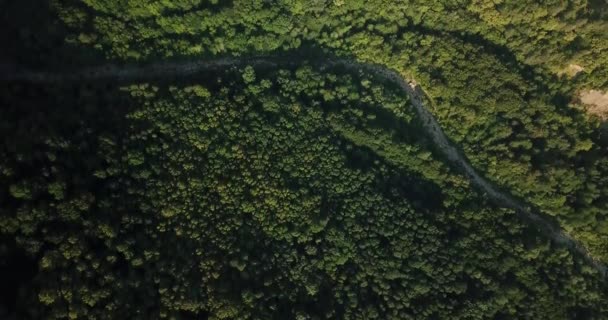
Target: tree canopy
303,192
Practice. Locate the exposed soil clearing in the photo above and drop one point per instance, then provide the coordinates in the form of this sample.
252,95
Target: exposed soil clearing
165,70
572,70
596,103
575,69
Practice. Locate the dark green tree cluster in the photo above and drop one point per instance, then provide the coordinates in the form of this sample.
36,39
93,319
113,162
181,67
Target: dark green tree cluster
519,131
548,34
305,192
260,194
489,67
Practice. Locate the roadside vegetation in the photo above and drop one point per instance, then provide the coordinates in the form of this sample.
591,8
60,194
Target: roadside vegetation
307,192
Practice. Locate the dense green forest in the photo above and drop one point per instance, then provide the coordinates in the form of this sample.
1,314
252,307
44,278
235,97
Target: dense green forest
303,192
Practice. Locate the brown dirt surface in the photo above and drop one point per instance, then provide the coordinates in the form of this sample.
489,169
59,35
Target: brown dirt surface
571,71
596,103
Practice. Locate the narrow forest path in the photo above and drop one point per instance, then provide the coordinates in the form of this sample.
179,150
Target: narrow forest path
417,96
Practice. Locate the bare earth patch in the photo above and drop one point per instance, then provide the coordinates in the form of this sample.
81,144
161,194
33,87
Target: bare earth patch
596,103
572,70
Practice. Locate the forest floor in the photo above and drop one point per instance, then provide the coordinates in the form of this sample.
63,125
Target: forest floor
596,103
418,96
572,70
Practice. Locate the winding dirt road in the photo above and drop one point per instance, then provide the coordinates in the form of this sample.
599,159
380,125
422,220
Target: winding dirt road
417,96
